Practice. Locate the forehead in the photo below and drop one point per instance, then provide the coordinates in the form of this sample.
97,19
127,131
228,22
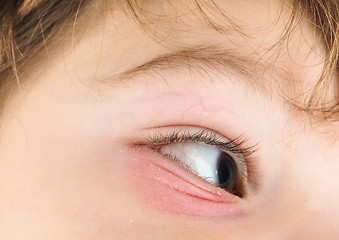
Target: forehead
256,34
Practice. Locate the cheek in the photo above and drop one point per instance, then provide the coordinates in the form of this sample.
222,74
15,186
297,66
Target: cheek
162,184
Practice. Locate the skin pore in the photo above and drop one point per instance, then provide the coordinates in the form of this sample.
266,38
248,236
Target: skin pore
76,162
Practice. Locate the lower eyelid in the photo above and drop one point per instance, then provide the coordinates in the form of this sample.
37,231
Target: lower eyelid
158,182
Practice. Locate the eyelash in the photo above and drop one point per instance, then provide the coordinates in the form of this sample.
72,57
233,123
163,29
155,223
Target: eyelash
235,146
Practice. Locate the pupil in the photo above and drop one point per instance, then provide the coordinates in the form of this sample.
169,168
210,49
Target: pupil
226,172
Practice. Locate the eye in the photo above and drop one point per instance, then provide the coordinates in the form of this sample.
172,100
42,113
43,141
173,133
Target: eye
194,171
209,163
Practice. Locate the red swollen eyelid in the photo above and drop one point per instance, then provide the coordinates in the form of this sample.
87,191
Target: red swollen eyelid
161,183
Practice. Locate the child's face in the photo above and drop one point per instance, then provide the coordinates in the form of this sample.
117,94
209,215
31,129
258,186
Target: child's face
86,154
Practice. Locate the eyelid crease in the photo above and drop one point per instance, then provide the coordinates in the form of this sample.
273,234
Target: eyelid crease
207,190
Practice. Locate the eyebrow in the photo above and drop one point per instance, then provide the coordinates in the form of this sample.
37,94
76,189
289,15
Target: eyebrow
203,59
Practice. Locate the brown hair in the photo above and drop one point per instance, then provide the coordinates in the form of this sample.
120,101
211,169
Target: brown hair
325,16
28,26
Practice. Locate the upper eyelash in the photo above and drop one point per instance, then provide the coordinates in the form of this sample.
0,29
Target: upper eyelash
203,136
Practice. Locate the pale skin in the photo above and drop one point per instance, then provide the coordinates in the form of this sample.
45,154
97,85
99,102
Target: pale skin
73,138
